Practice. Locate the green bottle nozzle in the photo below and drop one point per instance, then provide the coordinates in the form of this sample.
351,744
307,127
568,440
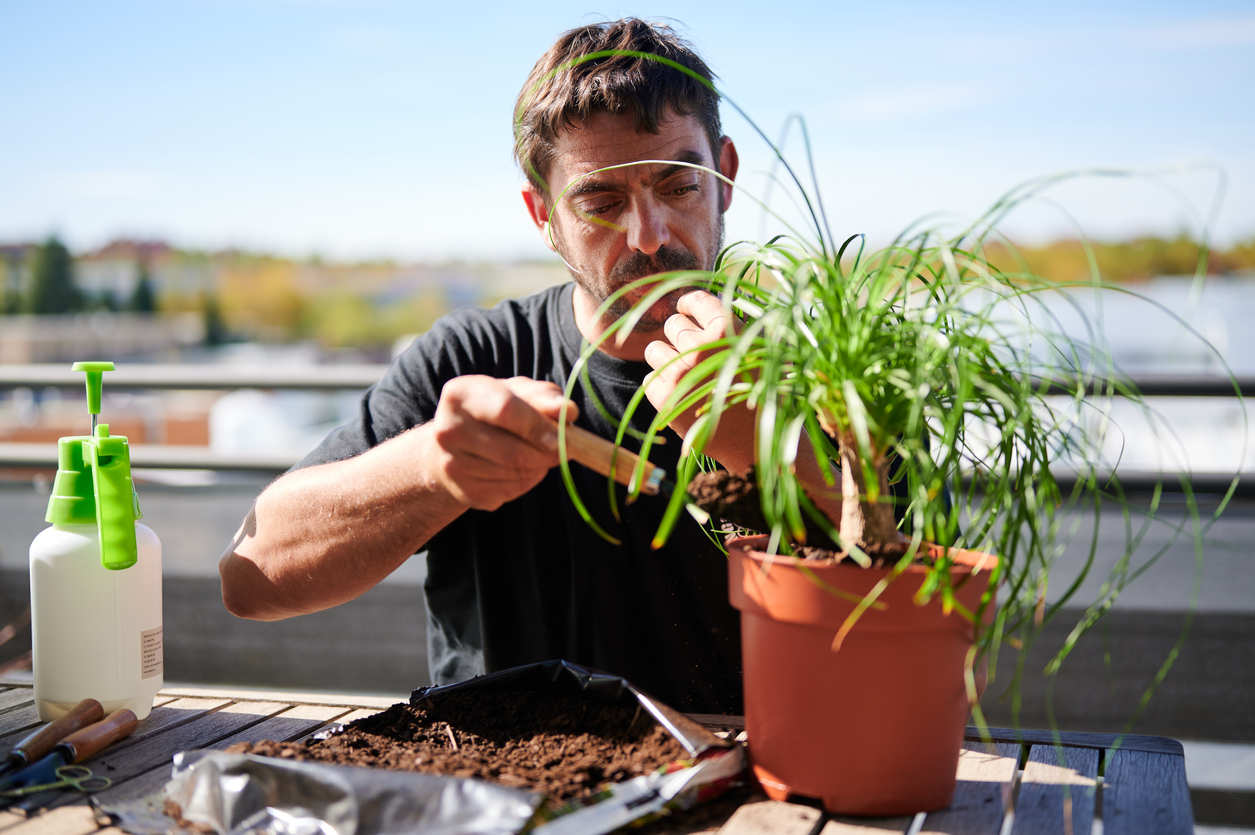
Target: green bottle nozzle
106,497
94,384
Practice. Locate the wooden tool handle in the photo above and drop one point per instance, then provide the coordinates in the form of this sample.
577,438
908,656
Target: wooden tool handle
39,744
597,453
95,738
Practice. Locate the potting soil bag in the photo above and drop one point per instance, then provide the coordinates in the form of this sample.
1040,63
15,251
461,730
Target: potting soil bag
234,794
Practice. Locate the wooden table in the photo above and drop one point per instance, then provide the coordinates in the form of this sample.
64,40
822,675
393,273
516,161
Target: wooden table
1007,787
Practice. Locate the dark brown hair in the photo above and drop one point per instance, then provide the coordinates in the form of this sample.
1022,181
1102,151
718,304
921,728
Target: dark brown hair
565,88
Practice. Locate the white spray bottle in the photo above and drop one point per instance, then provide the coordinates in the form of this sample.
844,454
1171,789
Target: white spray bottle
95,579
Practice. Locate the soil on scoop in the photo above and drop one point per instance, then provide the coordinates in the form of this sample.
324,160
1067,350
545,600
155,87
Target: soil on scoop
559,746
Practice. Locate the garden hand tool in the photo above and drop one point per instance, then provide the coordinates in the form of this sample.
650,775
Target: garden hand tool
75,748
67,777
40,743
599,455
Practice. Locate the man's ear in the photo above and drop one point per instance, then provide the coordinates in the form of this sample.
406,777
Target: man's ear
728,164
539,211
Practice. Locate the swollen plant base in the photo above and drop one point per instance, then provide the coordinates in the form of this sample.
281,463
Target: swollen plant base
874,727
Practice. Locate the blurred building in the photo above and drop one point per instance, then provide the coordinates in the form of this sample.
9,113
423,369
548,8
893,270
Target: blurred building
76,336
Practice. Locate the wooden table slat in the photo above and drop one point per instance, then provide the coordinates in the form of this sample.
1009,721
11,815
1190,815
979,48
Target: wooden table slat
244,694
168,716
16,698
1048,788
1080,739
122,763
981,798
17,724
838,825
1144,790
772,817
1144,793
289,724
66,820
344,720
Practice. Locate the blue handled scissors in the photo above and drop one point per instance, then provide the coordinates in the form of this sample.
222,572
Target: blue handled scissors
68,776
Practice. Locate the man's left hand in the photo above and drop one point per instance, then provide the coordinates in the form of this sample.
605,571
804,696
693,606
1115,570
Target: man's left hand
693,334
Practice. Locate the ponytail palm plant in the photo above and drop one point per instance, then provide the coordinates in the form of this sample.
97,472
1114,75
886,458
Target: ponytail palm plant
934,391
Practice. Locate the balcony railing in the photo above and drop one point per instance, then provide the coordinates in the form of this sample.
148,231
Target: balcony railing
357,377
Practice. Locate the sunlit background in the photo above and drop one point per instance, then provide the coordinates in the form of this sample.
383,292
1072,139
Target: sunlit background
272,185
382,129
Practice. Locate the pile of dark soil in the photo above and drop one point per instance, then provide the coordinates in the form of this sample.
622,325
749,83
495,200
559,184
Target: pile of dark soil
735,500
559,746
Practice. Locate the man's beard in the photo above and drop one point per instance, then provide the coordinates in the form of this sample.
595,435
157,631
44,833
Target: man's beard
638,266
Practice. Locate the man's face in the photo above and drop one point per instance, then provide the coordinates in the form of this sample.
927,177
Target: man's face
614,227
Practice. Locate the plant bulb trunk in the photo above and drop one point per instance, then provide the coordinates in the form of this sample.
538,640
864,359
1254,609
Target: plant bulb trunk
868,524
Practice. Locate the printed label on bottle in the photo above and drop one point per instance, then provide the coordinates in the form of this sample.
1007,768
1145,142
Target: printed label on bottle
151,656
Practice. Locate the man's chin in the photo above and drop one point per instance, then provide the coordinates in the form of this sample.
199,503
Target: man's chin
659,312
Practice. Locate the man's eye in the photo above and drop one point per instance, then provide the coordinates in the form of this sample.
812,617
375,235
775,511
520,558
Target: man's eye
683,190
598,210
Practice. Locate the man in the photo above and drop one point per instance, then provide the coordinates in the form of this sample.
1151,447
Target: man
454,450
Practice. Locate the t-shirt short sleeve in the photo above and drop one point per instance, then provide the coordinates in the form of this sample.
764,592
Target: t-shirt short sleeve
409,391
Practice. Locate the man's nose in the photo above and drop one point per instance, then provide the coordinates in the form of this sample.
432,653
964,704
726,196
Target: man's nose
648,230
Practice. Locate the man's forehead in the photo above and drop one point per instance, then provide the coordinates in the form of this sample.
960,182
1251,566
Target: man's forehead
606,140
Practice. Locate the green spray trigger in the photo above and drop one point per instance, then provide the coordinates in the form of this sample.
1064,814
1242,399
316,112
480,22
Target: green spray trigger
112,493
110,460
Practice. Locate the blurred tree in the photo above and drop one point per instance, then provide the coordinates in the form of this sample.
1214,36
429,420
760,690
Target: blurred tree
143,299
11,284
1238,258
1138,260
260,298
215,327
106,301
52,287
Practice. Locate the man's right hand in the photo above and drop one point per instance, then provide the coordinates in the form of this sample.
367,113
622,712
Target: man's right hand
493,440
323,535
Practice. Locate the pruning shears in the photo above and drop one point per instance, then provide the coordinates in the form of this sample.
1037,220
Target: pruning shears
57,769
68,776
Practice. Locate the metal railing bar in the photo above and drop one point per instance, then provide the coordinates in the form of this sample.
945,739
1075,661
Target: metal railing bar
364,375
199,377
162,457
152,457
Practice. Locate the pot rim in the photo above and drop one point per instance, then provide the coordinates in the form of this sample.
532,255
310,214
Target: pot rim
965,559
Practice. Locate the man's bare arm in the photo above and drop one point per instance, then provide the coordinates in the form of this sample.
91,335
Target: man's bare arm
324,535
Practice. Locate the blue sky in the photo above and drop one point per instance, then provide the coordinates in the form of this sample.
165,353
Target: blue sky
381,129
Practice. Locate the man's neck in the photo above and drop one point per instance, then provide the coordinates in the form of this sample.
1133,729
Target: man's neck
591,327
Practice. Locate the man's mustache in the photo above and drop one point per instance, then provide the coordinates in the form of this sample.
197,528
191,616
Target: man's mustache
664,260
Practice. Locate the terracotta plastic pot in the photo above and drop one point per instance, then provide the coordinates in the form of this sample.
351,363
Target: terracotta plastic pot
875,727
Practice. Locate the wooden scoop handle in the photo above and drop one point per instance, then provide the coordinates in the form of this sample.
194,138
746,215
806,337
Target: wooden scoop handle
39,744
95,738
597,453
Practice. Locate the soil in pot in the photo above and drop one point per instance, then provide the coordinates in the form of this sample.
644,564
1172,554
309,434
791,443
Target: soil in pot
562,747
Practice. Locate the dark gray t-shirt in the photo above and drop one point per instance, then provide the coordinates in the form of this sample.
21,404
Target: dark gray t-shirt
531,580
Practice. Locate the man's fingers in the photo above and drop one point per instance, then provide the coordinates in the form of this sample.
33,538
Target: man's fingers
479,402
700,320
661,356
708,312
702,306
543,396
